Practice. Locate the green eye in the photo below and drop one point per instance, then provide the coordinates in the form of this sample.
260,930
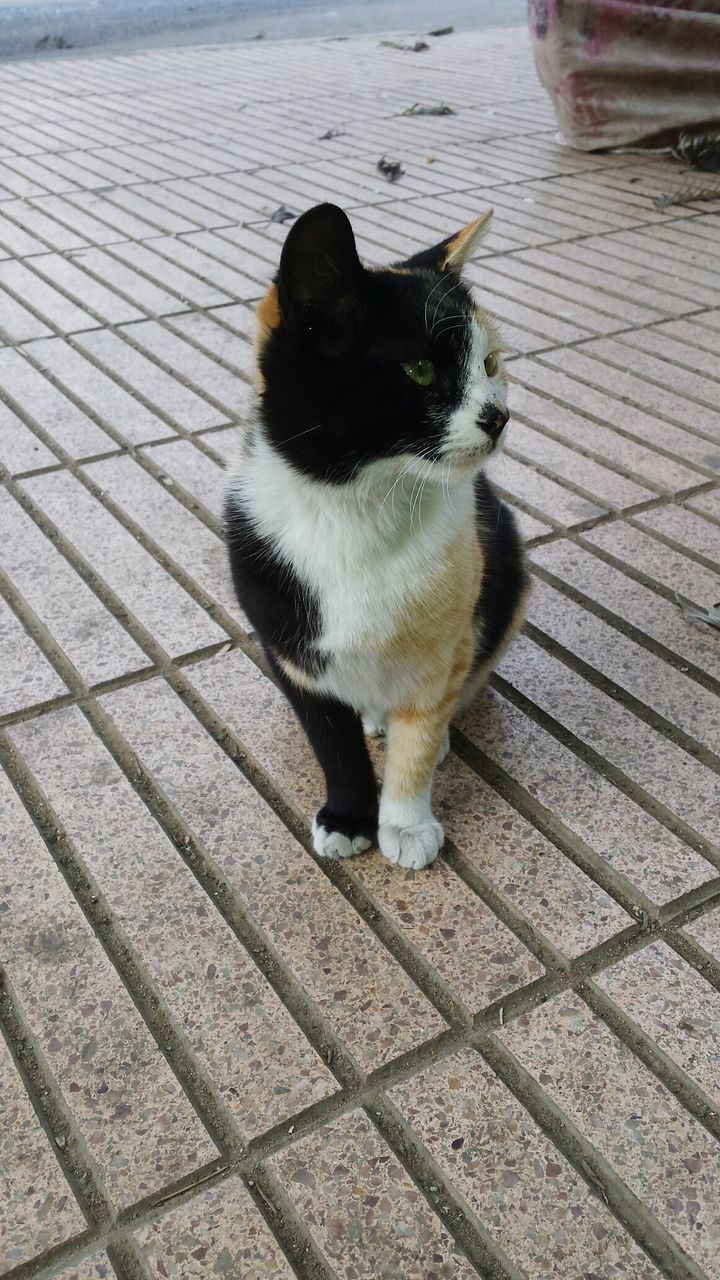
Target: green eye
491,365
421,371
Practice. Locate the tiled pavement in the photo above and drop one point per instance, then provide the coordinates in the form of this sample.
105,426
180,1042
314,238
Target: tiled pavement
220,1058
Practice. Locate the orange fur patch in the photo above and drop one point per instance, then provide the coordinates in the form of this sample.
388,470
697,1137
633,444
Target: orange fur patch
462,245
437,638
267,318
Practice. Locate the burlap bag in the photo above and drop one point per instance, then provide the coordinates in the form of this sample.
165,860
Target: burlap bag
628,72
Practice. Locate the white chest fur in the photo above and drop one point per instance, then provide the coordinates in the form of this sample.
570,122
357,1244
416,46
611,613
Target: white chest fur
365,551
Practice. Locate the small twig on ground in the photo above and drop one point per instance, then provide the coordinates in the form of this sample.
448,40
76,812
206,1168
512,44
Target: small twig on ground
418,47
687,193
432,109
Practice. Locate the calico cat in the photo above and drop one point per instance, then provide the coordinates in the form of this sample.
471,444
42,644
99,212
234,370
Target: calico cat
381,572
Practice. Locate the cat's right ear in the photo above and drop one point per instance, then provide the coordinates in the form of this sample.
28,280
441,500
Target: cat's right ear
453,253
320,270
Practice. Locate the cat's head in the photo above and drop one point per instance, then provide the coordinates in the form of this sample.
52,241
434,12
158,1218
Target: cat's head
360,364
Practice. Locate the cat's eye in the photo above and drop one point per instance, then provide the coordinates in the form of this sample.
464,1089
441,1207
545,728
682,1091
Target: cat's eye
491,365
421,371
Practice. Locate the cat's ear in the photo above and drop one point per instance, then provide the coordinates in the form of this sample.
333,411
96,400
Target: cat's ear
319,267
453,253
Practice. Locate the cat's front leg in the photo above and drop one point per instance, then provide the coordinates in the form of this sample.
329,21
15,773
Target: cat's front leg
347,822
408,833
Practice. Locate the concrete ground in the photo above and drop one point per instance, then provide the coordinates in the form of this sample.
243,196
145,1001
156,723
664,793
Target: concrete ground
45,28
220,1058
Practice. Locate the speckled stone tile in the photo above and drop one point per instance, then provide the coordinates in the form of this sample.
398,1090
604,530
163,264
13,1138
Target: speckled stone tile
707,503
446,922
659,619
183,463
650,759
477,955
680,700
608,488
362,1208
217,1233
362,991
95,1267
225,442
632,843
37,1207
20,449
663,1155
251,1048
657,561
553,502
60,417
139,1127
556,897
200,551
87,632
685,528
706,932
677,1008
526,1195
27,675
606,444
168,612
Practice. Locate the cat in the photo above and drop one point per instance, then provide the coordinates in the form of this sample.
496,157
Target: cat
381,572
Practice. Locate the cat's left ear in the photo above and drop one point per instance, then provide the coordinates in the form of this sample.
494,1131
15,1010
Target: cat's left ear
453,253
319,268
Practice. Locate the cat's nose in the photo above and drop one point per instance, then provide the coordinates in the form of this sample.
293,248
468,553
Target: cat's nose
493,420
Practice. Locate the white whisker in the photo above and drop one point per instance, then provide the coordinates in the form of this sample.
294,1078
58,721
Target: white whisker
440,302
449,328
303,433
435,286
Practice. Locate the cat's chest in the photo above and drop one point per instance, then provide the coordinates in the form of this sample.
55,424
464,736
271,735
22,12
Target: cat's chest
366,580
378,581
360,595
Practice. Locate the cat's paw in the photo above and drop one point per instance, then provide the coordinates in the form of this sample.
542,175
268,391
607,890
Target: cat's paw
336,837
414,846
444,751
373,728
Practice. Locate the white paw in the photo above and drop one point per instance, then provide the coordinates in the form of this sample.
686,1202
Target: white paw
445,749
373,728
414,846
333,844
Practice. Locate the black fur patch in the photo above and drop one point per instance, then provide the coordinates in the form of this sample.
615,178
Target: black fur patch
505,577
285,616
336,396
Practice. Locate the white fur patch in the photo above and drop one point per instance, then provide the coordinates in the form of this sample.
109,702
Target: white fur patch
408,834
464,437
364,550
333,844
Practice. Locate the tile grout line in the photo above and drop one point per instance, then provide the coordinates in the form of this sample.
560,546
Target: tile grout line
595,1170
603,767
255,784
578,975
170,1039
162,662
218,613
606,684
625,627
64,1139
